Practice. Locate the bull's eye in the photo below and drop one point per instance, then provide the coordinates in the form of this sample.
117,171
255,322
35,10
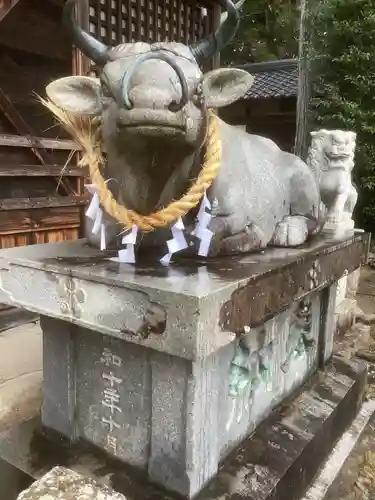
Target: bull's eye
198,97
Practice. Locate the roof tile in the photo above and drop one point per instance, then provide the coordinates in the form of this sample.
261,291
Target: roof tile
273,79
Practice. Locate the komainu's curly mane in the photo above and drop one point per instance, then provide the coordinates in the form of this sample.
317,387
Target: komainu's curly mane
316,159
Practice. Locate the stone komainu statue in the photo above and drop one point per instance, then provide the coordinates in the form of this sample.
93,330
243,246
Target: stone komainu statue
331,158
152,101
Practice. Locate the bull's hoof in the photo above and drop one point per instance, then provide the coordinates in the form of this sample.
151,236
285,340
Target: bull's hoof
215,246
249,240
290,232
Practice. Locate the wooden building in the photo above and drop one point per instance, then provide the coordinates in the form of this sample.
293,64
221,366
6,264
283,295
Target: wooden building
269,108
37,203
41,190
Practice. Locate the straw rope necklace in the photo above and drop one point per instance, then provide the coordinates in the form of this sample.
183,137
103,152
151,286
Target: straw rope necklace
86,132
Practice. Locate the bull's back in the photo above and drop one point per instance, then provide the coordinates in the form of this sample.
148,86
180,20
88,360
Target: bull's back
251,181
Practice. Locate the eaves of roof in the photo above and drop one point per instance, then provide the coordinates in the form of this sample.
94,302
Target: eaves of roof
272,79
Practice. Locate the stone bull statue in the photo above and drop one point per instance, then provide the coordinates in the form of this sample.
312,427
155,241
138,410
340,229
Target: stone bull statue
152,101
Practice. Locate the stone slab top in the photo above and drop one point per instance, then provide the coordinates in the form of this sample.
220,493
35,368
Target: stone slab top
188,277
190,308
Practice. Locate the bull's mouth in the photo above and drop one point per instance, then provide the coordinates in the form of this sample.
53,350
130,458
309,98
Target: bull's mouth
152,120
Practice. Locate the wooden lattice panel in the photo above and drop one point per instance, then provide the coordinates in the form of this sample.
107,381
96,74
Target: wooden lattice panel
116,21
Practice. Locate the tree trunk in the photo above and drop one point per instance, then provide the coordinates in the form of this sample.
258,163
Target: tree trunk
303,91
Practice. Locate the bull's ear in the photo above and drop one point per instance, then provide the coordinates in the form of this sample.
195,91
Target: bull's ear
76,94
225,85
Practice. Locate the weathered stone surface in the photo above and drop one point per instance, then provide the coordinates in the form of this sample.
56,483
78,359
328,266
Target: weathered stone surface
143,361
274,291
371,259
353,283
72,282
341,289
345,315
278,461
281,458
64,484
174,418
328,323
341,467
356,337
365,318
347,311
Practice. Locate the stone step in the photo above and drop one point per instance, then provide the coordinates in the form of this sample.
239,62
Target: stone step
279,461
334,471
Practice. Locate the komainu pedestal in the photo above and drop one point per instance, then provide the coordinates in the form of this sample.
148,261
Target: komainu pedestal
169,368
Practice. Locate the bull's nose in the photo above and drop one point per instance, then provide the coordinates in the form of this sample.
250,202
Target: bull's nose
147,97
164,95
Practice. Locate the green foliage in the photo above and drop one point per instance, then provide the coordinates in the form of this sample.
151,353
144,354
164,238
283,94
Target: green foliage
343,55
268,31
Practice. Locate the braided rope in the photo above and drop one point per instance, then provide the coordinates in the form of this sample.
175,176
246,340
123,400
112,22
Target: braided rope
84,132
174,210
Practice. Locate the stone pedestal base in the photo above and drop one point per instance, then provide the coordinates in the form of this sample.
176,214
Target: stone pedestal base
173,418
167,369
278,461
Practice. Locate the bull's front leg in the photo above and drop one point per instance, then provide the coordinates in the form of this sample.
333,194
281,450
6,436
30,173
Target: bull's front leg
225,242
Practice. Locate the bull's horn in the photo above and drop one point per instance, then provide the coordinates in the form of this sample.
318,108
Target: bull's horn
92,48
223,35
238,6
